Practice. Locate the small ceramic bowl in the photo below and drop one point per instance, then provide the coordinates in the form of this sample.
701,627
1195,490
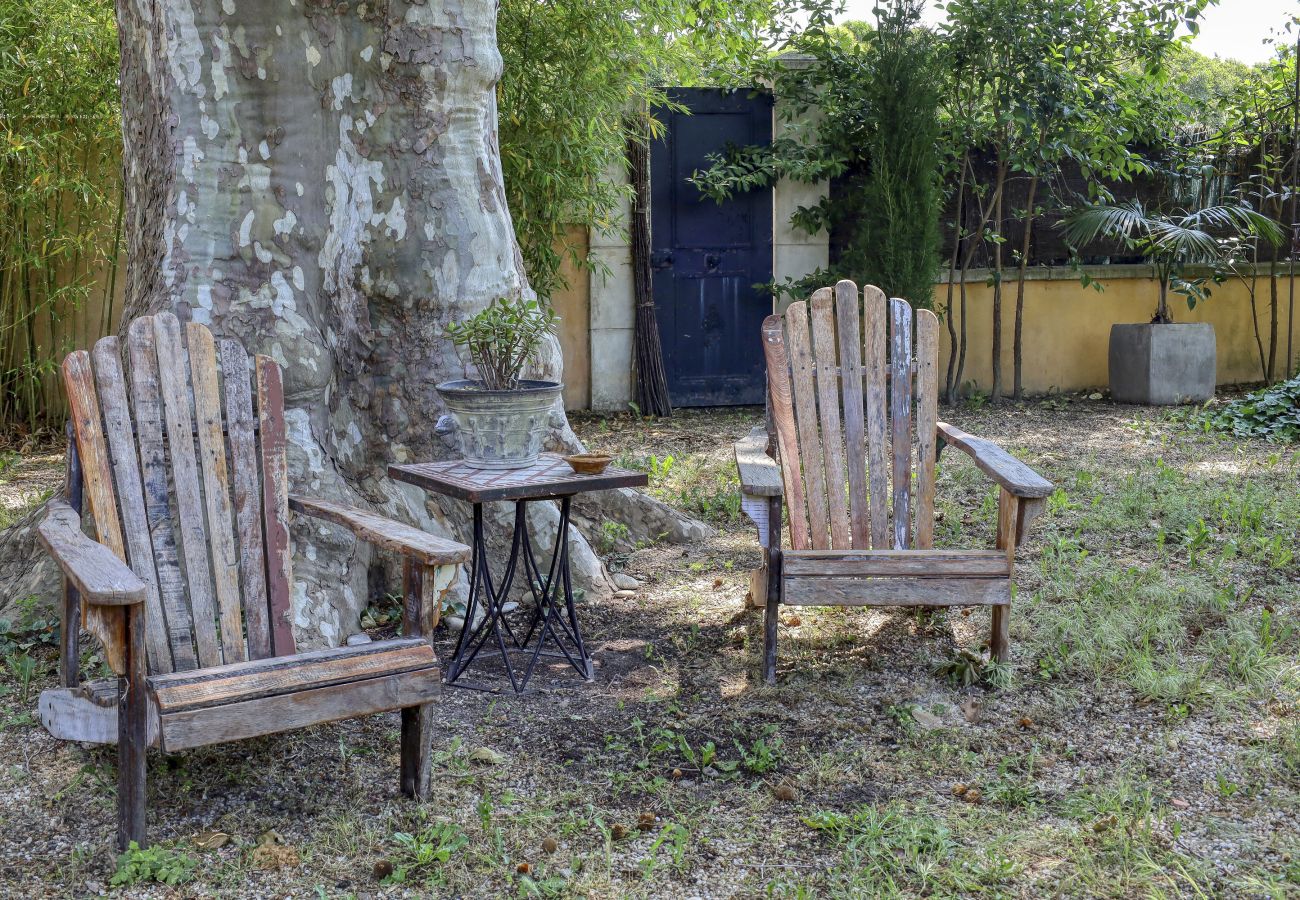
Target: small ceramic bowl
589,463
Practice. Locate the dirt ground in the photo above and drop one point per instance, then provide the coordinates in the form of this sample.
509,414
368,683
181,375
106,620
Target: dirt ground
1144,741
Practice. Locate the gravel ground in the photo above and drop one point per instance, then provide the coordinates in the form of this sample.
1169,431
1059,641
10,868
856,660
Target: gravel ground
1145,741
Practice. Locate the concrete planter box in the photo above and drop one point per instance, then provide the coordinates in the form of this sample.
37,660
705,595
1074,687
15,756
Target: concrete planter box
500,429
1162,365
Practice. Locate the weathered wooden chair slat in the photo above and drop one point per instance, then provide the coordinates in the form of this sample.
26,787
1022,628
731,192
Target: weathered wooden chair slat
846,452
146,402
237,383
190,503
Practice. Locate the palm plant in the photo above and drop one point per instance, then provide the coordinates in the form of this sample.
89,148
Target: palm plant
1173,240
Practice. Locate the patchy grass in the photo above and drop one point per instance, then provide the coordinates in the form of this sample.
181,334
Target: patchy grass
1143,742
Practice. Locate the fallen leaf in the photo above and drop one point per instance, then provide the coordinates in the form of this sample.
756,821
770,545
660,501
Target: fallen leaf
271,853
211,840
926,719
487,756
550,845
794,621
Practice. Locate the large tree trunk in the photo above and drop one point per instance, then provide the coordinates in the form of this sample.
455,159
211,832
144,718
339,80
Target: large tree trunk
323,182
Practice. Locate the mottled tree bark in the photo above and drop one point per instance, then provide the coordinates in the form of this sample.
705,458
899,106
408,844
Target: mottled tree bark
322,181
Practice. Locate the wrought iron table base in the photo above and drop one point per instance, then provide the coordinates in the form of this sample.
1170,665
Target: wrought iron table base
553,616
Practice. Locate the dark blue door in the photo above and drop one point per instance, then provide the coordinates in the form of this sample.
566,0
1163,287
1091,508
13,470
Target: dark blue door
707,257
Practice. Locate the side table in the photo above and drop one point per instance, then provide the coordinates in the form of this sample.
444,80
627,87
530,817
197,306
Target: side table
554,615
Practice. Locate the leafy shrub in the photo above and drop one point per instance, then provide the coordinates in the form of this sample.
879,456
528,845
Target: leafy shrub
1272,413
157,864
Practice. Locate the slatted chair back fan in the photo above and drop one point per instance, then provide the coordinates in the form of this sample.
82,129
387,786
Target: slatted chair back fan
182,455
852,386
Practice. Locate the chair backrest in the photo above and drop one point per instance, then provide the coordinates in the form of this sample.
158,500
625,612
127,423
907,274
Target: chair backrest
840,372
183,464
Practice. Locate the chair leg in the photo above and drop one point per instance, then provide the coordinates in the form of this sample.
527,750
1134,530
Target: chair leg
769,641
132,737
770,617
1000,634
417,739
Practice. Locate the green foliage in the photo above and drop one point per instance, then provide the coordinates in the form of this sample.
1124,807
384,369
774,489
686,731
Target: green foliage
897,201
1172,239
1272,413
579,76
425,850
878,126
156,864
35,626
502,338
764,754
60,202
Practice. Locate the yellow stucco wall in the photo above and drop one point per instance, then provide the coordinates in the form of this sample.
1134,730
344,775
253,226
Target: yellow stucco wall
572,303
1067,328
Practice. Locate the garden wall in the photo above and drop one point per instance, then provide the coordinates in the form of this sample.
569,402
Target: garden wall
1067,326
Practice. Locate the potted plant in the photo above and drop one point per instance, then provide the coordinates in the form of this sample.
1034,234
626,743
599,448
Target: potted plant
501,418
1163,363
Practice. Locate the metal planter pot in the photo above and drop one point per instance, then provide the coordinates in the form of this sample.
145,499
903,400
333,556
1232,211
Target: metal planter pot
500,429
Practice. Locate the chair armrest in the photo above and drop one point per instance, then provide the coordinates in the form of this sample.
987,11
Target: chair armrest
94,570
760,476
997,463
384,532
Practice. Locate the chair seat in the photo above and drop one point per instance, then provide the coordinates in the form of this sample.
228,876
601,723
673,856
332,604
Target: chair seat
266,696
895,578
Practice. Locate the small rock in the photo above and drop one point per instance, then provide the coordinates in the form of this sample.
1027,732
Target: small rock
455,623
1095,395
550,845
1179,802
625,582
624,595
357,639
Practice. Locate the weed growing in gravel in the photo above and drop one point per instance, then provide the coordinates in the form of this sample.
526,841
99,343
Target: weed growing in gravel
155,864
421,853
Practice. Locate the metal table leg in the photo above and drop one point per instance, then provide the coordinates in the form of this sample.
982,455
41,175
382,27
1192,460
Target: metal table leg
560,624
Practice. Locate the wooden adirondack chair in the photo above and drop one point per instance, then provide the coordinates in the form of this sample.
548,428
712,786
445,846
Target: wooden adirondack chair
841,423
188,585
